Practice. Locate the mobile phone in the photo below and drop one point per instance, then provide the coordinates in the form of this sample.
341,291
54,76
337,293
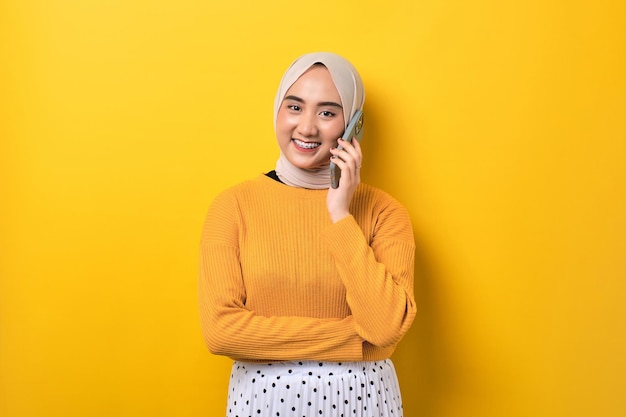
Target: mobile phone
354,130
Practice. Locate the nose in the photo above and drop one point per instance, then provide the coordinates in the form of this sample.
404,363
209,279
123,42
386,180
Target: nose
307,125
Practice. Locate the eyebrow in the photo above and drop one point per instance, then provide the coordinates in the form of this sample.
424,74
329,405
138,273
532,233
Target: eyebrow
323,103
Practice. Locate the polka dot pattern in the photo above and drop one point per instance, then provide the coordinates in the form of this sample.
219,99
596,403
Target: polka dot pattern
314,389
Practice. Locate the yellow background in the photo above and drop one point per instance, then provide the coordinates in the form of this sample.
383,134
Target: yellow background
500,125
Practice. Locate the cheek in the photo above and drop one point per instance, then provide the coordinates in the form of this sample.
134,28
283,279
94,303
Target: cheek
283,122
335,130
280,116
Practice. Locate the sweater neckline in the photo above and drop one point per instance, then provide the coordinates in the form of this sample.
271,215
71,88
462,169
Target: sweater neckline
288,189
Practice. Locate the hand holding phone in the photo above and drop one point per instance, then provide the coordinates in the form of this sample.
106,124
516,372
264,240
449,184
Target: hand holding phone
354,130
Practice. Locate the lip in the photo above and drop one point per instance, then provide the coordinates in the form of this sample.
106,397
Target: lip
300,149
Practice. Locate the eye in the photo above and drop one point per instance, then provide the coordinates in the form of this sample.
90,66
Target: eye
327,113
294,107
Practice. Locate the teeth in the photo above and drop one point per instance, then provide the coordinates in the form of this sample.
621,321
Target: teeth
306,145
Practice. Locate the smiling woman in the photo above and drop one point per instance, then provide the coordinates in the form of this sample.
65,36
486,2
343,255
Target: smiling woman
309,288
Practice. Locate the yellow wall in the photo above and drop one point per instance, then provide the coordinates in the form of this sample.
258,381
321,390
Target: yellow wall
500,125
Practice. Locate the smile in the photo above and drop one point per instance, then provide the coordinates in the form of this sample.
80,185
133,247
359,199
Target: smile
306,145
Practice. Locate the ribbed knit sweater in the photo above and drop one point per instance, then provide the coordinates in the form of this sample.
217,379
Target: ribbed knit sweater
279,281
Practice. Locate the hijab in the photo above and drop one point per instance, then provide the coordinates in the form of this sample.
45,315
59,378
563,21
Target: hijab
350,88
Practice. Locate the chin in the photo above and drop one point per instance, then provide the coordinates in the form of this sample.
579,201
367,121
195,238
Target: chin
304,163
307,166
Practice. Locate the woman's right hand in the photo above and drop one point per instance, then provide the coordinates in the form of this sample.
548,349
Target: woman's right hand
349,160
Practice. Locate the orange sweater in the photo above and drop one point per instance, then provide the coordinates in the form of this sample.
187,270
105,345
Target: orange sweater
279,281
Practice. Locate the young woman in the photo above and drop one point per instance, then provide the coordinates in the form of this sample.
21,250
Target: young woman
306,287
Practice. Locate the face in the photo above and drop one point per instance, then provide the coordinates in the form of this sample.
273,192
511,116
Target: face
310,119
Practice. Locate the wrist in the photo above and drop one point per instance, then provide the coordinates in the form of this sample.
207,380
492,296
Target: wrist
335,217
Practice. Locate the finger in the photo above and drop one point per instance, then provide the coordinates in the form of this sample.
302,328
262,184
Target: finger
347,160
353,152
353,148
348,146
357,148
340,162
349,170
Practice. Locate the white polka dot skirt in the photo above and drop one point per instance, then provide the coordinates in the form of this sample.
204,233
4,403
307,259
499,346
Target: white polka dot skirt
314,389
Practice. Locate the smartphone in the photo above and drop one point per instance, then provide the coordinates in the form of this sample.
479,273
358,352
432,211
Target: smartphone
354,130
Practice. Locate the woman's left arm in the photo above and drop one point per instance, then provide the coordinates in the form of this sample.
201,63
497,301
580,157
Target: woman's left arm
377,274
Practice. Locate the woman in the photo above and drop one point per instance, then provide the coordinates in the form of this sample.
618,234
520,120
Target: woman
309,288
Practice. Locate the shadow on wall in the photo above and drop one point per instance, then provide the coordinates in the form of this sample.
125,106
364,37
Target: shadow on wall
419,359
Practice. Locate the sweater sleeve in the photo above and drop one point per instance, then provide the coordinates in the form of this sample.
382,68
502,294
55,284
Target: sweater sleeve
231,329
378,275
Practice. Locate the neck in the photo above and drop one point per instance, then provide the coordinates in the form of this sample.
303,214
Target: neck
315,179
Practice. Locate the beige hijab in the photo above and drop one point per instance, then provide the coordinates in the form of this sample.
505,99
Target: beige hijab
350,88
